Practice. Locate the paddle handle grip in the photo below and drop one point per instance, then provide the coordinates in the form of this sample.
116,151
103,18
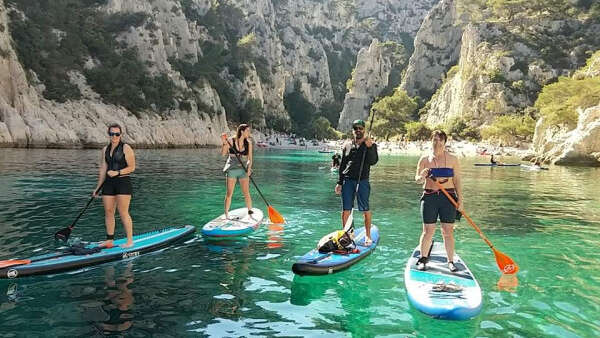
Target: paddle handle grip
487,241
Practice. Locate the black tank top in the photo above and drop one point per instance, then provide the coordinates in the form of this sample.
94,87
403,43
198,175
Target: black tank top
117,161
235,149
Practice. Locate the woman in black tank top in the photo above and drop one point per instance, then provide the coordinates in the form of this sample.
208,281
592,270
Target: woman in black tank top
237,146
117,162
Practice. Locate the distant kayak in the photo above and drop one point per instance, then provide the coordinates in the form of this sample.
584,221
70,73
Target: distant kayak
437,291
316,263
240,223
497,165
326,151
65,260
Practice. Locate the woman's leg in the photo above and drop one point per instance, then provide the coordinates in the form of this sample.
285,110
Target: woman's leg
230,183
245,184
110,202
123,207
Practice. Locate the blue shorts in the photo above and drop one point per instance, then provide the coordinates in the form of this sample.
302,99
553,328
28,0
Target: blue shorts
348,192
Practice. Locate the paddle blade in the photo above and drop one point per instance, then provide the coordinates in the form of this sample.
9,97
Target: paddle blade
275,216
505,263
63,234
13,262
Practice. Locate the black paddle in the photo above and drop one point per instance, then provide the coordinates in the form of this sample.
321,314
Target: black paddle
64,234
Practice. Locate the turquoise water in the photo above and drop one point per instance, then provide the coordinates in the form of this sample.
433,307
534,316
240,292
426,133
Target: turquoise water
547,221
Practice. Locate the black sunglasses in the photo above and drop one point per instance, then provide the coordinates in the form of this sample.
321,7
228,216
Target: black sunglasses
113,134
358,128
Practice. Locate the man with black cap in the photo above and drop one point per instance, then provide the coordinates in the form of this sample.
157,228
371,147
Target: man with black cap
352,155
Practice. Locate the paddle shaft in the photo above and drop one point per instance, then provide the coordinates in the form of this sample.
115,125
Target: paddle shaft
237,155
464,214
86,206
362,163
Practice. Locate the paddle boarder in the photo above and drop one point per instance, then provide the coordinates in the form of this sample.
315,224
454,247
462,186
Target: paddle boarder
434,204
239,145
117,162
335,161
352,155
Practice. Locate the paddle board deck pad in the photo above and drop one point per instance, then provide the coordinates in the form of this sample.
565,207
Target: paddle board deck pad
497,165
437,291
62,261
316,263
240,223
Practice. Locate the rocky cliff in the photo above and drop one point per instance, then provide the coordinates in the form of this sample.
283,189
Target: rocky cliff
271,47
502,63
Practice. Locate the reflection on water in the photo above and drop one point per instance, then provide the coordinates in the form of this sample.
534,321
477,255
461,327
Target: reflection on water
547,221
118,300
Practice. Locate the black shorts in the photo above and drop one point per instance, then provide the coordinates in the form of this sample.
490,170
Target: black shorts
117,186
436,205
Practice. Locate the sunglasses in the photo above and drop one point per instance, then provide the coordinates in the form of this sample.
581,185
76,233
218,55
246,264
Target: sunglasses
113,134
358,128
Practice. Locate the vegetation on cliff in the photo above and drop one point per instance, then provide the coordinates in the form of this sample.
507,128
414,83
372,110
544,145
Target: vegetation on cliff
55,37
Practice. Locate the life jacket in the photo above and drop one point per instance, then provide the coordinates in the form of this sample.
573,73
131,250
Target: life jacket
338,242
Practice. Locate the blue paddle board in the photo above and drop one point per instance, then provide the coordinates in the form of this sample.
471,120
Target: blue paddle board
62,261
316,263
437,291
497,165
239,223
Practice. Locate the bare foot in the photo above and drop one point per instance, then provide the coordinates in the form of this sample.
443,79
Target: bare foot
106,244
368,241
129,244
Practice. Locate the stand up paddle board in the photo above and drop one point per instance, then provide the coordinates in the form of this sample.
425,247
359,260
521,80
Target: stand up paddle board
497,165
437,291
240,223
66,260
316,263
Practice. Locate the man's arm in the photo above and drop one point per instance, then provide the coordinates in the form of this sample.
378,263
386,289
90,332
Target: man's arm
372,156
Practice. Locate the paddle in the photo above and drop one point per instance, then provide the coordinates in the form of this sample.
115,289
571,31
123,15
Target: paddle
64,234
274,215
350,218
13,262
505,263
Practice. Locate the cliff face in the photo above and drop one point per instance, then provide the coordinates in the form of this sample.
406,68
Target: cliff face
437,48
369,79
291,44
29,120
502,64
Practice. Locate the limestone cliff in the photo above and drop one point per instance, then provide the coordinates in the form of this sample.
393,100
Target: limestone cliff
370,77
502,67
29,120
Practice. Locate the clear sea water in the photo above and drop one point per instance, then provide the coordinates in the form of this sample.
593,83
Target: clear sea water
547,221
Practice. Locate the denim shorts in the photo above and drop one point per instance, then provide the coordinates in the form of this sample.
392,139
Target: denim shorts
349,190
236,173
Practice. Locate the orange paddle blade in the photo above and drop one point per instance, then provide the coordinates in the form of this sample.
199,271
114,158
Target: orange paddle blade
275,216
505,263
11,262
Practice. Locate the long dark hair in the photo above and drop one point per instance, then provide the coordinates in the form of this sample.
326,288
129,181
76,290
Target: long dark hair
240,129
